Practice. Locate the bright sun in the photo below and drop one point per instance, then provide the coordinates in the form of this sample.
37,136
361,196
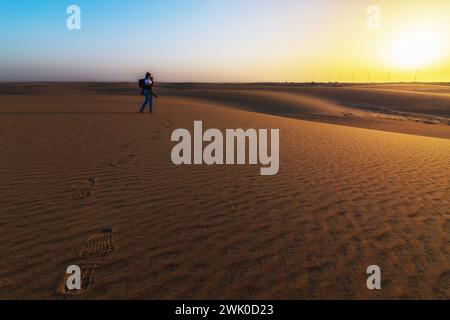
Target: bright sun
415,49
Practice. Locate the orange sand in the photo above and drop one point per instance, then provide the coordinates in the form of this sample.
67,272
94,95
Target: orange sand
345,198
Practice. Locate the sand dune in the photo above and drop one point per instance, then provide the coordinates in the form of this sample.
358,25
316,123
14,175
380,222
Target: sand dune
345,198
401,99
269,102
439,89
432,100
387,110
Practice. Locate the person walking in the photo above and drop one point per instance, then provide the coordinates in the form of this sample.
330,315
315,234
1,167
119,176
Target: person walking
147,91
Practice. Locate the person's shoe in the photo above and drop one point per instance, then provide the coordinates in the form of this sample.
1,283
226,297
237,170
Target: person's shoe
141,111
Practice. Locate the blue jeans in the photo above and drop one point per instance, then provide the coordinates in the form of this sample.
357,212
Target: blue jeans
148,99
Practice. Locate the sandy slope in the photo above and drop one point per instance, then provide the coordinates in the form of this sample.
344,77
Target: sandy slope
345,198
419,99
398,108
443,89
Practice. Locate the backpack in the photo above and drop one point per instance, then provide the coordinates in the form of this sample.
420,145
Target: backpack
141,83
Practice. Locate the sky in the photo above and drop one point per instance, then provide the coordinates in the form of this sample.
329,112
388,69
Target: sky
226,40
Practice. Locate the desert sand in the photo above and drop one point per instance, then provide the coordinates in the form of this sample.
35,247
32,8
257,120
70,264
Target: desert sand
86,179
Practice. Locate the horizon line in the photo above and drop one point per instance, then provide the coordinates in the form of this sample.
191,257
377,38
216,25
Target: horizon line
227,82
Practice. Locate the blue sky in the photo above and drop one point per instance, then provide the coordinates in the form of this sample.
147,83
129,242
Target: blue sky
184,40
114,34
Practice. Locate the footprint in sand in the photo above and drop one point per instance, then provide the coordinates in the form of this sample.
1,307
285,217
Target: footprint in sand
98,246
93,255
83,189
